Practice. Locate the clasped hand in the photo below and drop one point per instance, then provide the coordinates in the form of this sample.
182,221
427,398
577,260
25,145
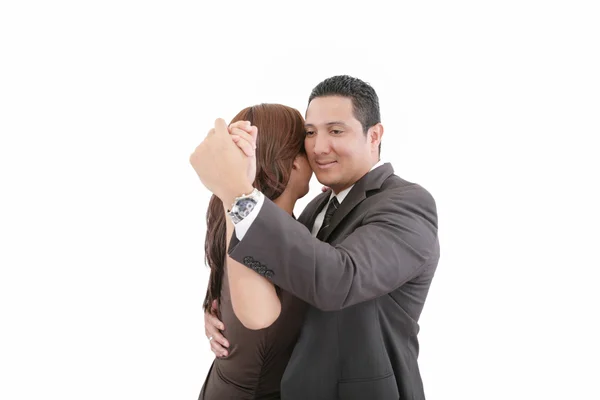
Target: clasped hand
225,161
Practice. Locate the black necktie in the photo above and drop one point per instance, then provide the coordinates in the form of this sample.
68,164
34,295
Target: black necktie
331,208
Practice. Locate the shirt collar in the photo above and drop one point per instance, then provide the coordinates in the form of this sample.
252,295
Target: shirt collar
342,195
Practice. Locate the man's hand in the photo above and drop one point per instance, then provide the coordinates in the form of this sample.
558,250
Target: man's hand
213,328
220,164
243,133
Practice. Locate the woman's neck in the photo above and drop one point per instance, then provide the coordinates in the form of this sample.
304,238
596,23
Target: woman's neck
286,202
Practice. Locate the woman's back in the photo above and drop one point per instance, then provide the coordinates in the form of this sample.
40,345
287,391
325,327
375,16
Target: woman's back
281,172
257,358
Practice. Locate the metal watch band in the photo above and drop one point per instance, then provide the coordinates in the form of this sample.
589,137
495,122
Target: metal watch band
243,205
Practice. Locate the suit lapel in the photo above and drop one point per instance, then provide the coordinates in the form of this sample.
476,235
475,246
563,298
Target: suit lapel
371,181
308,216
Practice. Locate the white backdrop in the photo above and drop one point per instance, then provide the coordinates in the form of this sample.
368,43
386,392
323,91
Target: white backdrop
492,107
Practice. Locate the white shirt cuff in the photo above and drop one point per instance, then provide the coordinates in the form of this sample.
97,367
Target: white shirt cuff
242,227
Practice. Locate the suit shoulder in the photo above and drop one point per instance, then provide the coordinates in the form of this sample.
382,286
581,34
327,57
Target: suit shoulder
398,198
395,186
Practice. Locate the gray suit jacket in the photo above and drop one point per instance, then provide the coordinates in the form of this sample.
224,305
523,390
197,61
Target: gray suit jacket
367,283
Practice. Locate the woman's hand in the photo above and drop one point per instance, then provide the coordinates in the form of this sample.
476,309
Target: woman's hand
244,135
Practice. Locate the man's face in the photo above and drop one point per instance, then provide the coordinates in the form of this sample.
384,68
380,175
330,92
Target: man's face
337,149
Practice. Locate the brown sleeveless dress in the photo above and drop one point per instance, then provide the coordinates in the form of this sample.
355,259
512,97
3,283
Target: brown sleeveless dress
257,358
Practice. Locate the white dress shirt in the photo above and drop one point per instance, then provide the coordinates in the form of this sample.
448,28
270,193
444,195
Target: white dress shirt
242,227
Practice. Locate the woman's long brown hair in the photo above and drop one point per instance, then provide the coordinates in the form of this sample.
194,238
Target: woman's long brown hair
280,139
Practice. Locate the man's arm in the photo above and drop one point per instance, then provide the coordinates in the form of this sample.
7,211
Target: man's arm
247,289
395,240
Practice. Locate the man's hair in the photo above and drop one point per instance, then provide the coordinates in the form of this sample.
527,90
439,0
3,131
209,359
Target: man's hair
365,102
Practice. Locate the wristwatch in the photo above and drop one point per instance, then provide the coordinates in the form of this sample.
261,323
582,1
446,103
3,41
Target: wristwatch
243,205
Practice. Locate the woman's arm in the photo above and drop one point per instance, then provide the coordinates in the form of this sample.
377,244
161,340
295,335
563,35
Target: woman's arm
253,297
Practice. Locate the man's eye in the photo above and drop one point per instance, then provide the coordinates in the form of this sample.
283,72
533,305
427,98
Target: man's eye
336,132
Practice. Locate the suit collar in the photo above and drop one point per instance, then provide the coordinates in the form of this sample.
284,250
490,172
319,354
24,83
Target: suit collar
309,215
373,180
342,195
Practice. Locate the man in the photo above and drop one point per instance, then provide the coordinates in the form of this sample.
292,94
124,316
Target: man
365,263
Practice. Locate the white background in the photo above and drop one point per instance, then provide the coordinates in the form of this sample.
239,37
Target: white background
492,106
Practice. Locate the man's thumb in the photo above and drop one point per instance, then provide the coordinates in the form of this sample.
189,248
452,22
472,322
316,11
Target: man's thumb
221,127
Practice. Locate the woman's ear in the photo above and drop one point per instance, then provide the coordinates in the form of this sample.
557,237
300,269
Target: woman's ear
296,163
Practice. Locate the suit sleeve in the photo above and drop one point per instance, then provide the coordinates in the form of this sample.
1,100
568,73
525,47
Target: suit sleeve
395,240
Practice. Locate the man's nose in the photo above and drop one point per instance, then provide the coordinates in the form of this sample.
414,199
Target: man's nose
321,144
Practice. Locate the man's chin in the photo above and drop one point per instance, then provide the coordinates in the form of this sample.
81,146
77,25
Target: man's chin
326,182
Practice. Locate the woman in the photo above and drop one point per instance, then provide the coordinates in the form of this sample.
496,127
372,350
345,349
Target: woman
263,322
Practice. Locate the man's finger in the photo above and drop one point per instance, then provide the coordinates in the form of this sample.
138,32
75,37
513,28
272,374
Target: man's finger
212,317
219,350
217,337
218,342
212,130
213,322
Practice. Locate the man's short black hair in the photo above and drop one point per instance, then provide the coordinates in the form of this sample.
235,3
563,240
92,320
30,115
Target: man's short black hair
365,102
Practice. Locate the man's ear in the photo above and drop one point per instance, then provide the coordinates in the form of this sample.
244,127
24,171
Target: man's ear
375,134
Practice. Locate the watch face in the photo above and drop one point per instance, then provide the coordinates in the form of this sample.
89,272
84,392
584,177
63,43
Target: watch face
244,207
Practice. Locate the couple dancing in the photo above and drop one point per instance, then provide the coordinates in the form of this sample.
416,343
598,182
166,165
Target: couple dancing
325,306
